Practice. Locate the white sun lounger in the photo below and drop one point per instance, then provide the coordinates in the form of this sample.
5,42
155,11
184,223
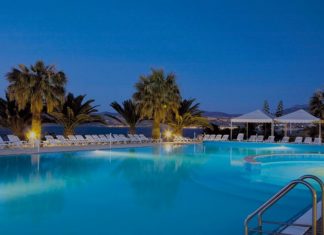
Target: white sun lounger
181,139
64,140
16,142
104,139
90,139
178,139
3,143
144,138
308,140
111,139
126,139
317,141
99,140
118,139
50,141
252,138
270,139
298,140
133,139
218,137
259,138
74,140
206,137
81,139
285,139
225,138
240,137
138,137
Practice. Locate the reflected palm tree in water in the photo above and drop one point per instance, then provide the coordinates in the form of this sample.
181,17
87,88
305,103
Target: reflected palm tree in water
156,180
41,179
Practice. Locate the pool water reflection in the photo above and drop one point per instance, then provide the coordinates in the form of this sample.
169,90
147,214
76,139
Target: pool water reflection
193,189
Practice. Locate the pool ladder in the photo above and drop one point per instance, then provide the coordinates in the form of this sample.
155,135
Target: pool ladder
303,180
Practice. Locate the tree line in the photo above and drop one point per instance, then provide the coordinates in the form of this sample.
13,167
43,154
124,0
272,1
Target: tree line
37,94
315,106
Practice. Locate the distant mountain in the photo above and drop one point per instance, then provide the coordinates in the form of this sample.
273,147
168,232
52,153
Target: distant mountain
215,114
212,115
295,108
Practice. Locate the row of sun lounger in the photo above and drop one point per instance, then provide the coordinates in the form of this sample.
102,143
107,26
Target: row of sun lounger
215,137
60,140
180,139
13,141
95,139
260,138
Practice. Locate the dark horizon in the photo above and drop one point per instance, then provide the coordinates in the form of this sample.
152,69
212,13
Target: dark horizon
230,56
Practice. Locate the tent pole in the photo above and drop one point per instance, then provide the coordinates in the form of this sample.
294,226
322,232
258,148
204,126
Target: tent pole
286,129
272,128
231,130
320,131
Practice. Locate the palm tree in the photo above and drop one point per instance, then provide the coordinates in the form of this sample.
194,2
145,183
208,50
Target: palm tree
157,94
316,104
74,112
40,85
187,115
18,121
129,112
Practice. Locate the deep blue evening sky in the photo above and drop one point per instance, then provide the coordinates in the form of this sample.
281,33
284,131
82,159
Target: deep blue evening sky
230,55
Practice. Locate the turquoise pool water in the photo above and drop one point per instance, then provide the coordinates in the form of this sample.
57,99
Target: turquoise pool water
192,189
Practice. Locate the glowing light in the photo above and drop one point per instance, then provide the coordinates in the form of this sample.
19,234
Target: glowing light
168,148
31,135
168,134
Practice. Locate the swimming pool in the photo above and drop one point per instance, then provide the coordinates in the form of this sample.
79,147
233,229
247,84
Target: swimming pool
191,189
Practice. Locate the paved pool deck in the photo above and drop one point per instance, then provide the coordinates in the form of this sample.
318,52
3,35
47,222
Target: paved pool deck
53,149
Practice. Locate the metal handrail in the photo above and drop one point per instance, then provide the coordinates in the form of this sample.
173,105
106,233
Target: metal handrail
321,184
259,212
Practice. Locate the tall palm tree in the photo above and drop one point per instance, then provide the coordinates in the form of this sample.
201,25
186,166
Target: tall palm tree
157,94
74,112
129,112
40,85
18,121
316,104
187,115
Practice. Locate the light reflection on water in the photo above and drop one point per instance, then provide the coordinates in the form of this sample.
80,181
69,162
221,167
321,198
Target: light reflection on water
194,189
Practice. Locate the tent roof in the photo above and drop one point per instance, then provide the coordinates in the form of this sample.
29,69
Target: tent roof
299,116
256,116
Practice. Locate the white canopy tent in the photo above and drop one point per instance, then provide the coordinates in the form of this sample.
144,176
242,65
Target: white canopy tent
256,116
300,116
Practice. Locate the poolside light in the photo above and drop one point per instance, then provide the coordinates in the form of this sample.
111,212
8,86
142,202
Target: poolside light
33,139
167,134
31,135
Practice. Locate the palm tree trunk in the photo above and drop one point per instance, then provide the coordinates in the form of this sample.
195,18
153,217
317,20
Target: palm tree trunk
37,125
68,131
132,130
177,130
19,132
156,129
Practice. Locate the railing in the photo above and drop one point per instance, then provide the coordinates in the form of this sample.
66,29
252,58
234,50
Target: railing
263,208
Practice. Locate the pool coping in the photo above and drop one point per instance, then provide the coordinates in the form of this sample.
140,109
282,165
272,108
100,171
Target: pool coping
306,218
54,149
